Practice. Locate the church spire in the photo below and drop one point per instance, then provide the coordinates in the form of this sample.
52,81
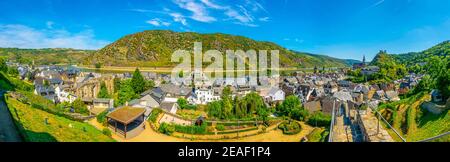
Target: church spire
364,60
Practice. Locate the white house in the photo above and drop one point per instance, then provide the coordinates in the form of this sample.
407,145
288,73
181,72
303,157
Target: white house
64,96
203,96
274,94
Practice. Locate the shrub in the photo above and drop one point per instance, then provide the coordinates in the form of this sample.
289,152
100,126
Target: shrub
154,114
98,65
107,132
241,130
220,127
101,118
183,103
299,114
167,128
290,127
315,135
192,129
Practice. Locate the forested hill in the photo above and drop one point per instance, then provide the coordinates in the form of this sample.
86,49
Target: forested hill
155,47
45,56
413,58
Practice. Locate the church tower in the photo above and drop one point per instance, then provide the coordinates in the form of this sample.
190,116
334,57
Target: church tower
364,60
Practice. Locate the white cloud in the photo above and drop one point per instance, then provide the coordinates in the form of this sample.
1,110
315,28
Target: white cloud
199,11
243,18
377,3
264,19
255,6
177,17
140,10
299,40
157,22
213,5
238,14
21,36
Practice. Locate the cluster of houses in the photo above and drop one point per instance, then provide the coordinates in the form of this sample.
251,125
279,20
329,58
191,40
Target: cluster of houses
318,92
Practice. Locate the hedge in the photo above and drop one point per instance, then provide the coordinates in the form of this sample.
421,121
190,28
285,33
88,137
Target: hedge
154,115
236,131
290,127
193,129
319,120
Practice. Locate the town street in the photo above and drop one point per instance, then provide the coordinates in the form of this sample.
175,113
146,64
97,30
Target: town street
8,131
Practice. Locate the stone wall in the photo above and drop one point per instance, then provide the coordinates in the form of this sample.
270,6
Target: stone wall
90,88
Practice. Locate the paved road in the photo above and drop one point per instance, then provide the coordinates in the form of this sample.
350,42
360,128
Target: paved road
8,131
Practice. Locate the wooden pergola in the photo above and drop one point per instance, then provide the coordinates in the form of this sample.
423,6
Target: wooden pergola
125,116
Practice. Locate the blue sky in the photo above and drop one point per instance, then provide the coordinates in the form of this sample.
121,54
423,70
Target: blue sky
342,29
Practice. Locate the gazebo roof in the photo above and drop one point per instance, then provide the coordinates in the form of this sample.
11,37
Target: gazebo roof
126,114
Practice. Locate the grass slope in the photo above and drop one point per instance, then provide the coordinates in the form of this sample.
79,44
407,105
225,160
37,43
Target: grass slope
413,122
31,124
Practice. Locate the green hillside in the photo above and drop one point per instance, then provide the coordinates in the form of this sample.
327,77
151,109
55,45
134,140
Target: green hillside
413,121
413,58
155,47
45,56
40,126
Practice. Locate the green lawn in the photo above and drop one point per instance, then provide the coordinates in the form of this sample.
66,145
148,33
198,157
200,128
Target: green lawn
318,135
415,123
431,125
32,125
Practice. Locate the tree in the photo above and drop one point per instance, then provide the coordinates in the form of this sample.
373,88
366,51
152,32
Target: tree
292,108
103,93
319,119
79,107
137,82
254,103
248,106
117,82
215,109
425,84
439,70
126,92
227,102
299,114
149,84
3,66
290,103
13,71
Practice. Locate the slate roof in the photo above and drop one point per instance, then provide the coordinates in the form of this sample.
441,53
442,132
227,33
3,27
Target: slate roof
167,106
175,90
